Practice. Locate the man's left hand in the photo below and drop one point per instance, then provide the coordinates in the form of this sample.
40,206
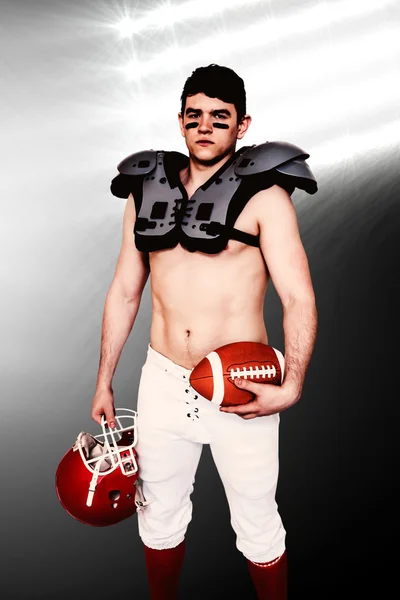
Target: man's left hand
270,399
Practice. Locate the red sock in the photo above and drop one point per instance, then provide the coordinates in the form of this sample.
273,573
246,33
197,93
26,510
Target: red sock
270,579
163,570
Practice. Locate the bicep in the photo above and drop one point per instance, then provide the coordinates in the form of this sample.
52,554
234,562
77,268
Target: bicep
132,268
282,247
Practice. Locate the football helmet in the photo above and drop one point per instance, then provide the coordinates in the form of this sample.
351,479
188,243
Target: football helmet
97,480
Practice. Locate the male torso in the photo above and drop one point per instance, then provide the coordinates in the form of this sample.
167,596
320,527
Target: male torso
203,301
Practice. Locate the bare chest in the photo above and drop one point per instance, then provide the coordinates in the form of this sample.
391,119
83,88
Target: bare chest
193,287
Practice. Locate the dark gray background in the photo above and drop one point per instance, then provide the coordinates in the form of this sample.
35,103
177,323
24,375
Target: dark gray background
68,116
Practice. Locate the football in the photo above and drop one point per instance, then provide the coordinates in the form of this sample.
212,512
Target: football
213,377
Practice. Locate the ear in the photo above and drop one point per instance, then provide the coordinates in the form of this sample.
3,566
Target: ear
181,126
243,126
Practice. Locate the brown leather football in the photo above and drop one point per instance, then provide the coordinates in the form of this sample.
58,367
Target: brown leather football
213,376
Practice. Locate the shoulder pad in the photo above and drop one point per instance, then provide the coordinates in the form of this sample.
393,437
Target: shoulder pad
123,185
261,158
139,163
287,159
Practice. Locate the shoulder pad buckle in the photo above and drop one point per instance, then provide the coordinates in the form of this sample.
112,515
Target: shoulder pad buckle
139,163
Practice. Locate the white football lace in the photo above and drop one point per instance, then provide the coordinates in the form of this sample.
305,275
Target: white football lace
258,372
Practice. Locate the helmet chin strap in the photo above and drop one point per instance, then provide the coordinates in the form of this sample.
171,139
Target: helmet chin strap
140,500
93,483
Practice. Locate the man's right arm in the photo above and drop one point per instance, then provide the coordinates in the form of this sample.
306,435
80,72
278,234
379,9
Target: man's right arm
120,310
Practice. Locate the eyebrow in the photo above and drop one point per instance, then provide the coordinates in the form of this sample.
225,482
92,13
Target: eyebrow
223,111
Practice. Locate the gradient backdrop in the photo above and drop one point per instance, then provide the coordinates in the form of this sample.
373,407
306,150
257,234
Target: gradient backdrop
81,88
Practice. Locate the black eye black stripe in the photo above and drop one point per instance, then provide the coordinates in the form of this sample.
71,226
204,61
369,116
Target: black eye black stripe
194,124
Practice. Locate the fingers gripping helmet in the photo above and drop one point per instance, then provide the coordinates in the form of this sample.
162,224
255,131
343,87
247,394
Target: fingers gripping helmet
97,479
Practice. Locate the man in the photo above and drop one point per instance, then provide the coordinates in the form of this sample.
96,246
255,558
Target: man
208,283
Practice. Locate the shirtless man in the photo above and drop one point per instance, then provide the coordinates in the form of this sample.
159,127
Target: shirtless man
203,299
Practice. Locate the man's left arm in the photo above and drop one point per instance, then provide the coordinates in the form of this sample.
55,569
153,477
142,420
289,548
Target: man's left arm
287,264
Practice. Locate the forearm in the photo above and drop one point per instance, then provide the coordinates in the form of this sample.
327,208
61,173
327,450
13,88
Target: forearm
300,330
118,319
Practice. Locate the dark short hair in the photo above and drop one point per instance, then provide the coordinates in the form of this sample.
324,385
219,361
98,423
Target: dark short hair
216,82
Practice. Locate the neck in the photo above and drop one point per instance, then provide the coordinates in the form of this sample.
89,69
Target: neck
197,173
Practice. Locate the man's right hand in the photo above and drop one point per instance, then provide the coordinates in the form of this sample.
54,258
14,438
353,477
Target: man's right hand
103,404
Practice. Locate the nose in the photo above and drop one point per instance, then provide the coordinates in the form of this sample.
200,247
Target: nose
205,124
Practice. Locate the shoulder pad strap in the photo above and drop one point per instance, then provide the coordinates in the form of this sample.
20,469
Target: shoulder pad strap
261,158
139,163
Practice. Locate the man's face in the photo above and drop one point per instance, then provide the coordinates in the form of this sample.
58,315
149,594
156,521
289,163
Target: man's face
210,128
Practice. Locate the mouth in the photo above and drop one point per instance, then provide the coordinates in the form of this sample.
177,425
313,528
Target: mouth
204,142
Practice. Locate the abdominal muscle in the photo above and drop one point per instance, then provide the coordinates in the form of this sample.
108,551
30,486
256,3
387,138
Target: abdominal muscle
203,301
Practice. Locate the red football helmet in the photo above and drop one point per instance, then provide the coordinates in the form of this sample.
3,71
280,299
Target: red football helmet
97,481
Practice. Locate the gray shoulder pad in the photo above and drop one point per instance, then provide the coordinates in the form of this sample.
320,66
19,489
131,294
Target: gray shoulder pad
264,157
139,163
287,160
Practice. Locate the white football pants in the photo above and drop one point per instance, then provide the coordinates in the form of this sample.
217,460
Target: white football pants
173,423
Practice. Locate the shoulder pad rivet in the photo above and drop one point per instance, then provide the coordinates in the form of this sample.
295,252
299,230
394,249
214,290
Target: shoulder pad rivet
163,180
